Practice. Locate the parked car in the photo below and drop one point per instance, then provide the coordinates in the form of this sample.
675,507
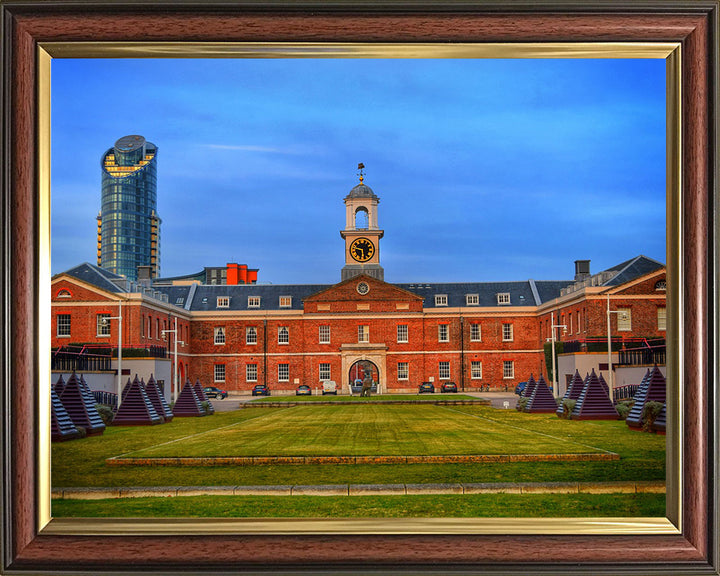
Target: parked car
329,387
428,387
520,388
214,392
448,387
303,390
260,390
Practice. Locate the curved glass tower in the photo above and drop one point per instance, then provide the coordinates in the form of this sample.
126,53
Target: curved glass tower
128,224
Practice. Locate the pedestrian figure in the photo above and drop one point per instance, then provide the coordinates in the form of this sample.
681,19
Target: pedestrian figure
366,386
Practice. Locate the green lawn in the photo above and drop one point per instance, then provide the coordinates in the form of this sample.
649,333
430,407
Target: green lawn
367,429
429,398
420,506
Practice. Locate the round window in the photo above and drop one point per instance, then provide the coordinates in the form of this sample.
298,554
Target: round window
363,288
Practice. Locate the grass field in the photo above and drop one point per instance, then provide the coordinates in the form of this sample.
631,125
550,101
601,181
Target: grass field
367,429
387,429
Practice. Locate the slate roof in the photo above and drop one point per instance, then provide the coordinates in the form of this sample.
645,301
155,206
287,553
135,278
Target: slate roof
203,297
628,271
98,277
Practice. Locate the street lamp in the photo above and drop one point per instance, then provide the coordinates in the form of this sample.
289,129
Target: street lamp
622,315
105,320
174,391
552,338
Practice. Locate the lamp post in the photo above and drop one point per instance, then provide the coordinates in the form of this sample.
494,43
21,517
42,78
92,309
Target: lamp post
173,391
611,391
119,371
552,339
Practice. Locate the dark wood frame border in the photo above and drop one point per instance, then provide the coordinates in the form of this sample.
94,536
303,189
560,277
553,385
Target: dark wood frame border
27,23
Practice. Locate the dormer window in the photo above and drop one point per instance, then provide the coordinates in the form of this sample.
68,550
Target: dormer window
503,298
285,301
223,301
253,301
472,299
441,300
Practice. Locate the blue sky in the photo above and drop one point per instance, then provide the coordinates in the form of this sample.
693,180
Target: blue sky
486,169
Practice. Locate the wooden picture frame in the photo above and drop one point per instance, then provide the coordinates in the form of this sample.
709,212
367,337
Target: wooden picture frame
31,545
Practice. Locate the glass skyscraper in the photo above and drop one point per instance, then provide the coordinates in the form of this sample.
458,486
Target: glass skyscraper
128,224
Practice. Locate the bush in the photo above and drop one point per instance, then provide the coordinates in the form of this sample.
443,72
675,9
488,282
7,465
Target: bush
82,431
650,412
521,404
106,413
623,409
568,405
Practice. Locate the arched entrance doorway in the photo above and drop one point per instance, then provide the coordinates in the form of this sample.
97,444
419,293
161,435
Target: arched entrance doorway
357,374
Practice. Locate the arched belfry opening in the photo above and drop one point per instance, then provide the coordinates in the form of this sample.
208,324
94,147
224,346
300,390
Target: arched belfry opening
362,218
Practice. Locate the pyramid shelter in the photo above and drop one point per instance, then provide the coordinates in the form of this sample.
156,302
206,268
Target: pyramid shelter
660,424
651,389
188,404
158,400
203,397
527,393
59,386
573,392
542,400
136,408
62,427
81,407
604,384
594,402
125,389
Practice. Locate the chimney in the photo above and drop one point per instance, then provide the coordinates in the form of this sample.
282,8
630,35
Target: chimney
145,275
582,270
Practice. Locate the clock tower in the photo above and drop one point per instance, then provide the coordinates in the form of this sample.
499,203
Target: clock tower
361,233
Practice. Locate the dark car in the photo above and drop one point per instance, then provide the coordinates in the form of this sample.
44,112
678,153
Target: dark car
261,390
520,388
426,387
303,390
214,392
448,387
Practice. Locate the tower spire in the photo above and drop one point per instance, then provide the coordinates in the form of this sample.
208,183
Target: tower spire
361,167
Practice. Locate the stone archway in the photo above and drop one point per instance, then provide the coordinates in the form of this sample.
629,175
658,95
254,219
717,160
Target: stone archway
359,369
374,354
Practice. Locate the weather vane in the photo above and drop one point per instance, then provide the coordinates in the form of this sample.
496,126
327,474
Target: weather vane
361,167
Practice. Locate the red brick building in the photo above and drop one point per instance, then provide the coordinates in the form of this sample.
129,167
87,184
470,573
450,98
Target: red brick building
475,334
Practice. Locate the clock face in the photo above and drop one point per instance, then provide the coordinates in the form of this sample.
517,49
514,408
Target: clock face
362,249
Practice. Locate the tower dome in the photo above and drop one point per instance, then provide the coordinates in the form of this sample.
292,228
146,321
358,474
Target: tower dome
361,191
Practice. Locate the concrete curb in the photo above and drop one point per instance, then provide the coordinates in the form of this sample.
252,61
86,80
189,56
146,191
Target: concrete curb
528,488
296,460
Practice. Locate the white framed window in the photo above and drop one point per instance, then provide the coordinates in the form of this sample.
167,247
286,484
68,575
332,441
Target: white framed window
251,335
219,372
507,332
476,370
661,285
503,298
285,301
444,370
324,334
443,333
475,332
223,302
103,325
363,333
251,372
283,372
578,322
402,333
219,335
441,300
149,327
472,299
283,335
624,320
508,369
64,294
63,324
253,301
324,371
662,318
403,371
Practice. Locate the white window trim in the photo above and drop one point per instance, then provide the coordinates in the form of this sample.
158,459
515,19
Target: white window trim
284,330
219,368
253,302
472,373
472,299
624,325
99,326
363,334
320,334
511,338
402,338
325,371
479,332
248,377
282,378
512,366
662,316
216,332
289,302
222,302
250,330
406,371
443,328
69,326
440,374
441,300
503,298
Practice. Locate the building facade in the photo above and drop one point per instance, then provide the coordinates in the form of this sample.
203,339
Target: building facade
128,223
480,335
